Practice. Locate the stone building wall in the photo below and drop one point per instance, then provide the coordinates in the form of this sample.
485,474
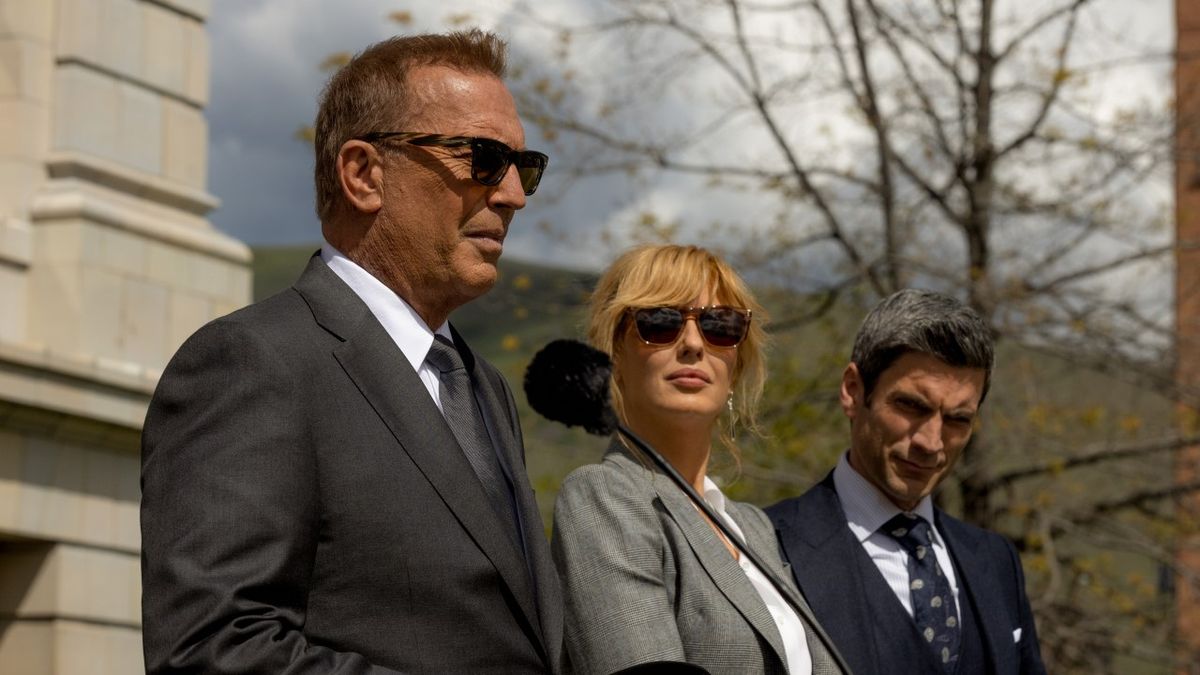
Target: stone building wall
106,264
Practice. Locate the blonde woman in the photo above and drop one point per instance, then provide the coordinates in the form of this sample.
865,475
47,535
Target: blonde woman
647,578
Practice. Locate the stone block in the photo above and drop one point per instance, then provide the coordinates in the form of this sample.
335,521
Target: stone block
37,473
139,133
164,48
26,127
16,241
32,19
99,486
90,649
14,294
103,34
51,504
77,36
208,276
95,585
128,535
25,70
123,251
68,241
143,326
167,265
12,453
55,306
184,144
188,312
198,66
86,111
101,313
27,647
19,179
121,37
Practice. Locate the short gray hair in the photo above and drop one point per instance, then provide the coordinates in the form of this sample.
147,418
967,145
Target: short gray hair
930,323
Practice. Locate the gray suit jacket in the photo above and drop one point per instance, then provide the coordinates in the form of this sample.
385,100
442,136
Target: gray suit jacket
306,509
646,579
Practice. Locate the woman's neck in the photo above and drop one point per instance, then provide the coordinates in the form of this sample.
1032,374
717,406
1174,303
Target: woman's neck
685,446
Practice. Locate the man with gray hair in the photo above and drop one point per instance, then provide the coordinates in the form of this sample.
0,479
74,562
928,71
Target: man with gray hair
332,480
897,583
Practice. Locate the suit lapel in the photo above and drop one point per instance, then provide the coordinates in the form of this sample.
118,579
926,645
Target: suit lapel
719,564
505,433
978,580
372,361
825,560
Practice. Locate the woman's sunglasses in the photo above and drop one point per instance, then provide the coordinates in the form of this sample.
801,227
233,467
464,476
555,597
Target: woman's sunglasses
720,326
490,158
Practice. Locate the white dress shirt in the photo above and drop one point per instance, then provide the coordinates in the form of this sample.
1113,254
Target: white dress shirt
791,628
406,328
866,511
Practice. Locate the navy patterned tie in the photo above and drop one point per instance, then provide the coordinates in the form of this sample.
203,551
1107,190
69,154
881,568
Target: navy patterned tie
466,421
932,601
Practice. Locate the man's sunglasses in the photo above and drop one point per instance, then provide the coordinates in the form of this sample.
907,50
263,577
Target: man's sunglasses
719,325
490,158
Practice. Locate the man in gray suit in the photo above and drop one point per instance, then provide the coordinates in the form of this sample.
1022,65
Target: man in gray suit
899,585
332,481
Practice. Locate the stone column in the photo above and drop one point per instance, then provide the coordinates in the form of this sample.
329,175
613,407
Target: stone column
107,263
1187,317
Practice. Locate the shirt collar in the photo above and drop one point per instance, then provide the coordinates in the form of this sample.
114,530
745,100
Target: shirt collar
714,496
402,323
866,508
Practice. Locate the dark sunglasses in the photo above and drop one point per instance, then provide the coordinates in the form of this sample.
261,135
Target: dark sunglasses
719,325
490,158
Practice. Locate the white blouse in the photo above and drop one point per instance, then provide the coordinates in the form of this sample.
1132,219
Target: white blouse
791,628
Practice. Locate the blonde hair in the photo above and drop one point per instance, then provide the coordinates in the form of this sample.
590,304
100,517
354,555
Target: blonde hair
672,275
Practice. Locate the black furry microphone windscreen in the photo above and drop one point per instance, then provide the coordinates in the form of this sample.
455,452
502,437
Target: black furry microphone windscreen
567,382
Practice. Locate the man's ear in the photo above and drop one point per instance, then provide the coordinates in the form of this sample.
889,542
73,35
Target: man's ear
852,392
360,173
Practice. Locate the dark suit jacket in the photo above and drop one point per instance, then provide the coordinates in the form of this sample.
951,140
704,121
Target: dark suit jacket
862,615
306,509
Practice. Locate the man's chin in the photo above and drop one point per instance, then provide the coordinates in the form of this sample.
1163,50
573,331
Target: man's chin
479,279
906,494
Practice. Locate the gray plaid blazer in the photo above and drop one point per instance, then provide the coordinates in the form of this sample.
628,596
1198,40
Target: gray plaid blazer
646,579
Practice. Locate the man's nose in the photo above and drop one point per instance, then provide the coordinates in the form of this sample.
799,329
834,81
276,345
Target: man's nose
928,436
509,194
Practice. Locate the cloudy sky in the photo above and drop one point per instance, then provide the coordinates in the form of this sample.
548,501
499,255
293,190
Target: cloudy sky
266,78
265,82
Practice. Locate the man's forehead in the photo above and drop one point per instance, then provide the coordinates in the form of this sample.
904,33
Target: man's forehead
438,86
451,101
927,372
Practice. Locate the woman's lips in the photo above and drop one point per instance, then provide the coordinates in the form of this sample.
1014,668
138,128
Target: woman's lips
689,378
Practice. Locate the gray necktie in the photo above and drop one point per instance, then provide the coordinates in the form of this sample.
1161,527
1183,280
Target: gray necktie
466,421
932,601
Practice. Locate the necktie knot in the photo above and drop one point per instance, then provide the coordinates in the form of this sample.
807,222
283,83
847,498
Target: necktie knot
911,531
443,356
